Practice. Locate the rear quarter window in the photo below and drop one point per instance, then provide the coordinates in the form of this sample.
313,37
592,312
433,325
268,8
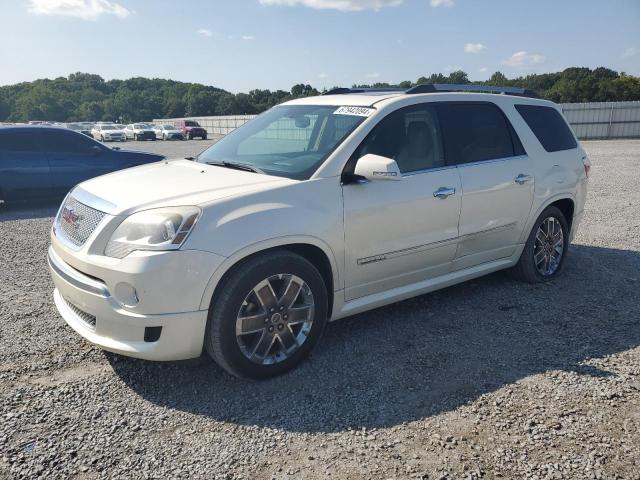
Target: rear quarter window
548,126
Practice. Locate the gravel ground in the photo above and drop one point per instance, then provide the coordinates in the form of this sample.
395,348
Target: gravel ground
491,378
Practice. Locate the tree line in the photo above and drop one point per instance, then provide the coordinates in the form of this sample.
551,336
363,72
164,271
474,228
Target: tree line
88,97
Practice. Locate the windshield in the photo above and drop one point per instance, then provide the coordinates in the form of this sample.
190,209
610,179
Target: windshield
191,123
139,126
168,127
289,141
109,127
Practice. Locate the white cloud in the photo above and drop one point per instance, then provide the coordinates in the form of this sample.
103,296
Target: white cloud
84,9
473,47
205,32
342,5
522,59
442,3
631,52
483,69
323,75
372,75
248,37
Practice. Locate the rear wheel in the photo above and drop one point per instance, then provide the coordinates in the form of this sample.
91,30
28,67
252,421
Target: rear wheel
267,315
545,249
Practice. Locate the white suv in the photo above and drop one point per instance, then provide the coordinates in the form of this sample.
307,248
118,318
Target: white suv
318,209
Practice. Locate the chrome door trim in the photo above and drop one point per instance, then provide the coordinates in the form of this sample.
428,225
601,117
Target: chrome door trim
493,160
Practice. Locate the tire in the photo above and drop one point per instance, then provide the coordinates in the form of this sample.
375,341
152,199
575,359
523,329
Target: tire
234,353
527,269
204,137
102,138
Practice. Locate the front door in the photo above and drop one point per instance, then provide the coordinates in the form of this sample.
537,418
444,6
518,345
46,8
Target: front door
74,158
402,232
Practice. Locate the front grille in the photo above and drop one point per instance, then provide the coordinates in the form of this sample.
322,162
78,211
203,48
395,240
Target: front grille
77,221
87,318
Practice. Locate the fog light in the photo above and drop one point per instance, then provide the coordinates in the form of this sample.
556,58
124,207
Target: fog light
126,294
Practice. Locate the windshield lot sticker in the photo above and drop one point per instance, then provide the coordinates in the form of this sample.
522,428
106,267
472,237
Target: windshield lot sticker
359,111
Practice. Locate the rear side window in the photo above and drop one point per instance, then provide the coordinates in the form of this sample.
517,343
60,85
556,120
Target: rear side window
18,142
474,132
548,126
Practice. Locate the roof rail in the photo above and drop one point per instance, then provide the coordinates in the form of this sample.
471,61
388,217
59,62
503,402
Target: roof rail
443,87
343,90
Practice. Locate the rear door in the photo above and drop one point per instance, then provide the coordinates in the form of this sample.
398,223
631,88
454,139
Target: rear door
24,168
496,176
74,158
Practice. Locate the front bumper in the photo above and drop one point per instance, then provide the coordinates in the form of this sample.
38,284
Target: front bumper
89,306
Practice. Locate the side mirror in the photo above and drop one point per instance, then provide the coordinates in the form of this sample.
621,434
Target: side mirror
375,167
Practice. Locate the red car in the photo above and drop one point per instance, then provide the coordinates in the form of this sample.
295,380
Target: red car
191,129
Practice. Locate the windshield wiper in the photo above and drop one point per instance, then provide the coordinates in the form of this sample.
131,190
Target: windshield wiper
237,166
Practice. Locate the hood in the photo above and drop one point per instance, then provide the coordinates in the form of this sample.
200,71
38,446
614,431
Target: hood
169,183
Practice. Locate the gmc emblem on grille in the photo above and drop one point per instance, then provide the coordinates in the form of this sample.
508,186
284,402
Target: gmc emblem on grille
71,217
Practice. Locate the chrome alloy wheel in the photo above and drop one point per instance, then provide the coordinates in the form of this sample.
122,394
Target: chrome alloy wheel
275,319
548,246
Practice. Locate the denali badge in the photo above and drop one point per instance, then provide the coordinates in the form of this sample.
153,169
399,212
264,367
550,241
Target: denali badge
71,217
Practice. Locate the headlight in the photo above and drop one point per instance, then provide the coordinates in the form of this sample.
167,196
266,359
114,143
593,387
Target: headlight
157,229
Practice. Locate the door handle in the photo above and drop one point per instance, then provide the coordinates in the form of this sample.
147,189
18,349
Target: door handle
444,192
522,179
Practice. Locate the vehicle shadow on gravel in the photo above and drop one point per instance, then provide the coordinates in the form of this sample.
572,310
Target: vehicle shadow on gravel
423,356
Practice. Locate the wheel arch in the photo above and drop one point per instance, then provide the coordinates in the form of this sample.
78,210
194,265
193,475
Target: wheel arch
312,249
565,202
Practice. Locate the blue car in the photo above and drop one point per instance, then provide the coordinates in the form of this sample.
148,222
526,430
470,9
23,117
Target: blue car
39,163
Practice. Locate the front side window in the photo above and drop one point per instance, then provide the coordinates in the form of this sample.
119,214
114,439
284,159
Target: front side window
55,141
410,136
290,141
474,131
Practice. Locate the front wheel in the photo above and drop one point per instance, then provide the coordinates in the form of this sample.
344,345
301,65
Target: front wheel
545,249
267,315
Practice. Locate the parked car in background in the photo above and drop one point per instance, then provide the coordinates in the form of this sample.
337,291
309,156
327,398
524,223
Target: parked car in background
191,129
46,162
168,132
79,127
139,131
318,209
108,132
